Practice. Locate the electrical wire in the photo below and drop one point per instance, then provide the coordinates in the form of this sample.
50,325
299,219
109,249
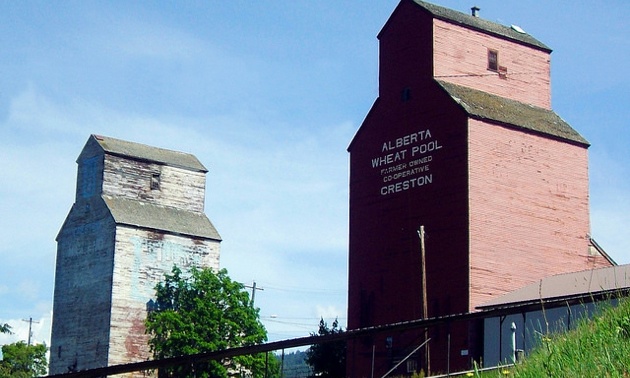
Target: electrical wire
303,290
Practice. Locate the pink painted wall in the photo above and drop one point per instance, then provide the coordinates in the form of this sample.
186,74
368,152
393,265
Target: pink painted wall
529,210
461,57
503,208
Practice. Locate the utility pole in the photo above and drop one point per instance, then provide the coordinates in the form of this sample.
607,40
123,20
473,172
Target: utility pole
425,306
254,288
30,325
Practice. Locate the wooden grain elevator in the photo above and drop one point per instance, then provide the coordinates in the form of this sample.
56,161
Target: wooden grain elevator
138,211
461,140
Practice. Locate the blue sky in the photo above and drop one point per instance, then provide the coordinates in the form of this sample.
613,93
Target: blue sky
267,94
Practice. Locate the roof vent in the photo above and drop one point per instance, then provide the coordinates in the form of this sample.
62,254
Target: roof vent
475,11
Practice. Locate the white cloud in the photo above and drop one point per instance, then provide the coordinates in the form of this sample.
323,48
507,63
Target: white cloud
40,330
31,111
264,117
610,204
329,313
610,220
279,200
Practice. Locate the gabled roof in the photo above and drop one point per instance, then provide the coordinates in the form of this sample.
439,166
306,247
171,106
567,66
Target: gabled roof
478,23
147,215
486,106
583,284
143,152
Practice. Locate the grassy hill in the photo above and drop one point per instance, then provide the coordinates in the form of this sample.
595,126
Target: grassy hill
599,347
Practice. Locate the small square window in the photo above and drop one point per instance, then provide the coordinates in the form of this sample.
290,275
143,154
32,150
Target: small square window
155,181
493,60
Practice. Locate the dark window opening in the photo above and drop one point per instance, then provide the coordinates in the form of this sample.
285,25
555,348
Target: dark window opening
493,60
405,95
155,181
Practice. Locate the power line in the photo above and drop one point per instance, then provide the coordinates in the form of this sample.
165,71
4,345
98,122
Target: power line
306,290
315,318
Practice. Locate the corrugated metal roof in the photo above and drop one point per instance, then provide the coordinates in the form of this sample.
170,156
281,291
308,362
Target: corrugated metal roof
146,215
479,23
483,105
143,152
584,283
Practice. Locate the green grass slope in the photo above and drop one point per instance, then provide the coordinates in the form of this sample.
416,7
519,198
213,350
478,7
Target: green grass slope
599,347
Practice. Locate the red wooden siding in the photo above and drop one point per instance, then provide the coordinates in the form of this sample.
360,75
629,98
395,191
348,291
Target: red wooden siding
405,53
384,258
529,211
461,57
501,207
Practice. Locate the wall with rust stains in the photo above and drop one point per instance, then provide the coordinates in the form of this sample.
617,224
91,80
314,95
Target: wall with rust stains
106,272
142,258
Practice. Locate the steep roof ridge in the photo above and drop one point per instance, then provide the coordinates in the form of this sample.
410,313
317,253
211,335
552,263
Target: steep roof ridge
144,152
479,23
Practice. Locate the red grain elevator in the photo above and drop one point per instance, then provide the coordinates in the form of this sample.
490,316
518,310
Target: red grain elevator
461,140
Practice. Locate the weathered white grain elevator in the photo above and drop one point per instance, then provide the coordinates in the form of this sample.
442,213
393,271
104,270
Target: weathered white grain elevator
138,211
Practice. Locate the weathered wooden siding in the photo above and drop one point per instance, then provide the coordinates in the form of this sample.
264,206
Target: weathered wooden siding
107,272
529,210
82,296
461,56
130,178
89,177
142,258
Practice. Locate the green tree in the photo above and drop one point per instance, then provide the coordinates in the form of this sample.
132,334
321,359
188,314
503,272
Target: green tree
328,360
5,328
20,360
205,311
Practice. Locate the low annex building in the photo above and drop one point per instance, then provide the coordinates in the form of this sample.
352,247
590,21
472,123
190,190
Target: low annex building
553,304
138,211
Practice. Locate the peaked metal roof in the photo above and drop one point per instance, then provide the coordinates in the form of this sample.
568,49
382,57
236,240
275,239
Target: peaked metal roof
147,215
148,153
486,106
479,23
569,285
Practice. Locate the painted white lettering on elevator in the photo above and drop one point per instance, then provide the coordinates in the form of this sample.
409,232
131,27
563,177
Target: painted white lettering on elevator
404,163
